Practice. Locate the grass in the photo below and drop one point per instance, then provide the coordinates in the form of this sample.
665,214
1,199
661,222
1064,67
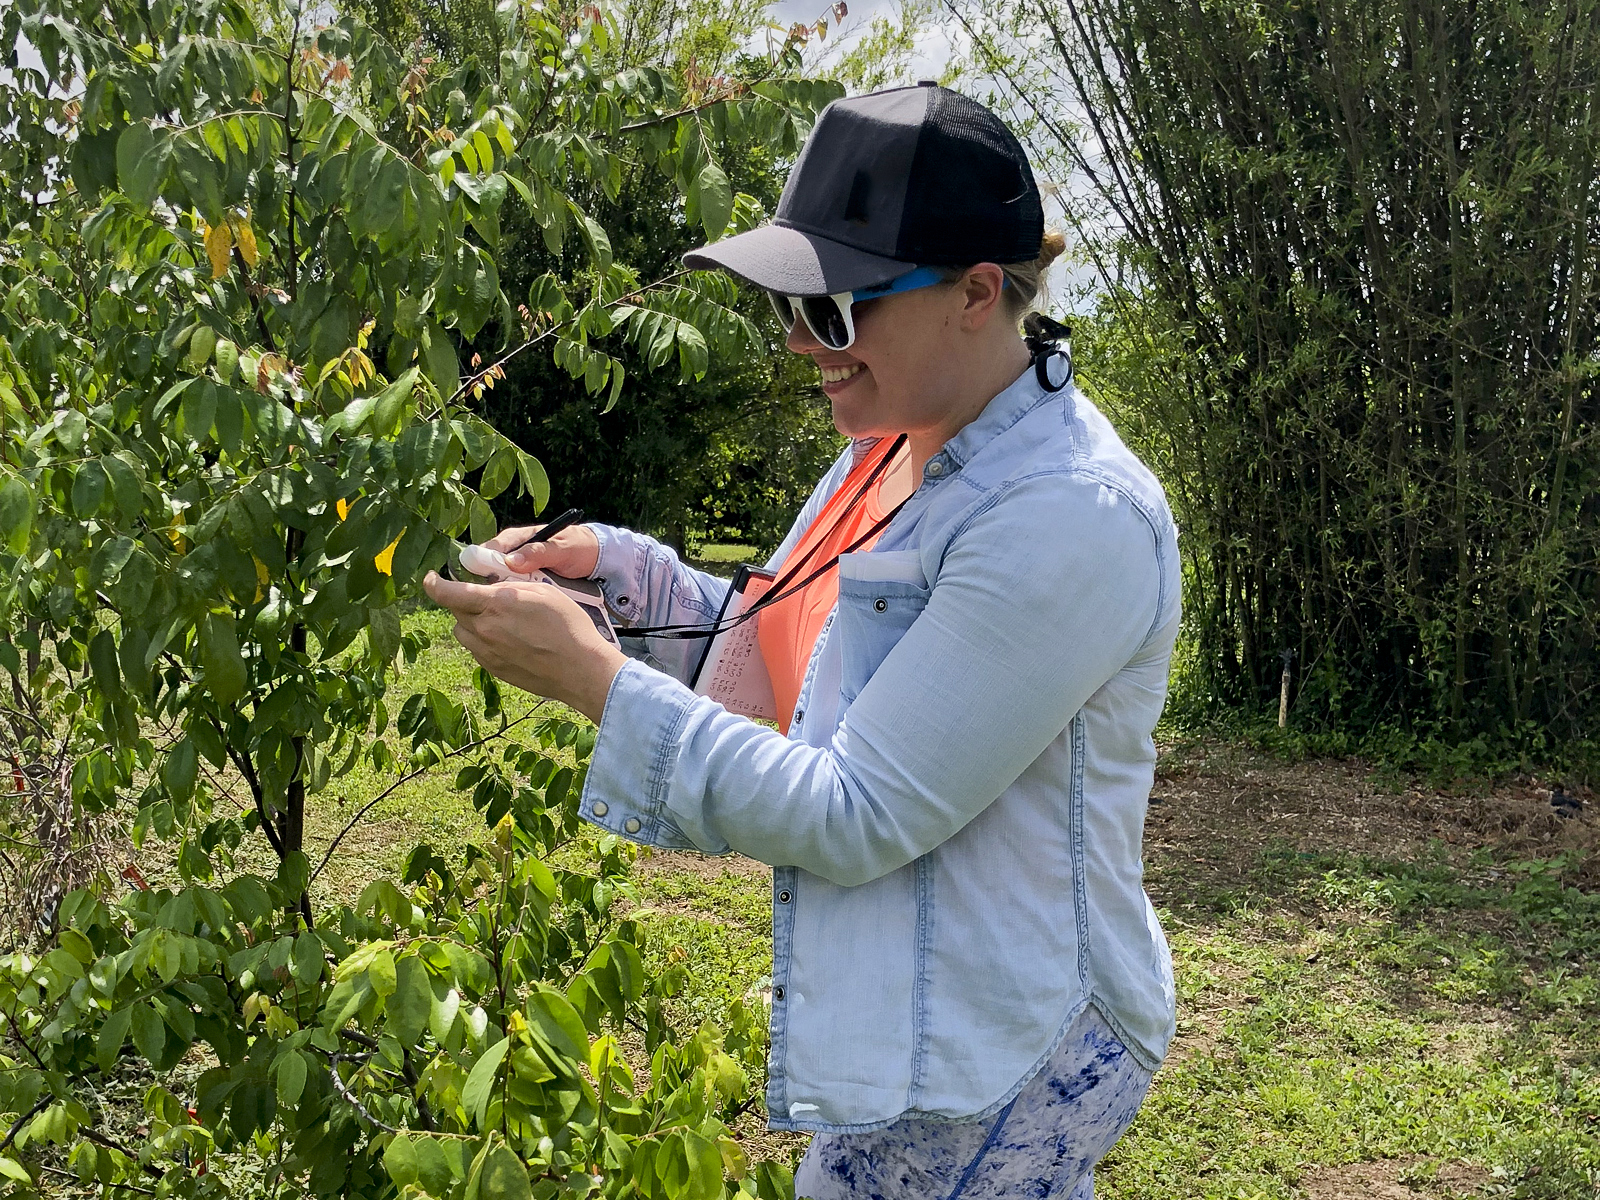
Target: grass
1336,1009
1434,1008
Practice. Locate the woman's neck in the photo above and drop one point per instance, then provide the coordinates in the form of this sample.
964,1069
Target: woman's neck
991,376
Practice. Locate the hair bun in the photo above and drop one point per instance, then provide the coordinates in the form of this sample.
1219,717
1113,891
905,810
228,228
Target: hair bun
1051,247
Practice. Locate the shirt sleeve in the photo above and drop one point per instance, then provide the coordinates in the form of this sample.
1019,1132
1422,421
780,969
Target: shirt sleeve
645,583
1047,592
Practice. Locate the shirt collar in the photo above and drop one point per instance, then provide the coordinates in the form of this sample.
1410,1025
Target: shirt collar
1000,414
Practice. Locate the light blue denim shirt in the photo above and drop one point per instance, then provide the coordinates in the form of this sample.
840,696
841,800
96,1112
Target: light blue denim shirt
956,815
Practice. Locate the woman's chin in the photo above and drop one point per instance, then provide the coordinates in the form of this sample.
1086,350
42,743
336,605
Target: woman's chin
854,414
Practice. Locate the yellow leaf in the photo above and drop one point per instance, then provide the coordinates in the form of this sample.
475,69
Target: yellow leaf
343,506
219,241
173,533
262,580
247,243
385,560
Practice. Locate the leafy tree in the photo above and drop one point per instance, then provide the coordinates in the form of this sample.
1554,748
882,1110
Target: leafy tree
1349,258
245,259
731,454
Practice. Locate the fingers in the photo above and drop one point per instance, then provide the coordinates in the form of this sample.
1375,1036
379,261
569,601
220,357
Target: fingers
508,540
572,553
463,599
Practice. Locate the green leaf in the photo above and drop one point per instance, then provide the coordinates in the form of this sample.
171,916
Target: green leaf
400,1160
103,662
498,472
201,343
383,634
503,1176
409,1006
439,360
109,558
705,1167
390,409
149,1034
227,356
125,488
16,514
12,1169
291,1076
88,489
180,769
595,238
108,1045
225,672
381,973
481,520
479,1088
443,1014
308,958
535,483
199,409
716,200
553,1016
139,167
433,1167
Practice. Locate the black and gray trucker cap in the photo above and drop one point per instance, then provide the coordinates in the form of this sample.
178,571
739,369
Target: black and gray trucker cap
914,176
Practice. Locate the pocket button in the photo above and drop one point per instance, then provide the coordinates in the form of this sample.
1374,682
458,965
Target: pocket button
879,604
601,808
631,824
784,896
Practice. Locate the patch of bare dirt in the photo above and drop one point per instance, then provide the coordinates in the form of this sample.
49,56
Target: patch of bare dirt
1215,812
1395,1179
703,866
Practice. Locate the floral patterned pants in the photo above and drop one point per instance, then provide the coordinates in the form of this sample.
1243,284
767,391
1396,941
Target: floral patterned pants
1045,1143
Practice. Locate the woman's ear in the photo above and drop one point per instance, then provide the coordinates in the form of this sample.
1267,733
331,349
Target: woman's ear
982,289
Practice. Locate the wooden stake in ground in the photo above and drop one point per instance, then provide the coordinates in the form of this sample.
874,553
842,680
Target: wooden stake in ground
1283,691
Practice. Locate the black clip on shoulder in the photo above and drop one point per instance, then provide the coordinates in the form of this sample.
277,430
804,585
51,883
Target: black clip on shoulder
1047,339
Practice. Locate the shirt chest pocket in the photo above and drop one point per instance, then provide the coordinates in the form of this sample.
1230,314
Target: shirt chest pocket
880,595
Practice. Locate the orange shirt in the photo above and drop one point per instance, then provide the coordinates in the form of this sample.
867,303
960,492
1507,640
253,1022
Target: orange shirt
787,632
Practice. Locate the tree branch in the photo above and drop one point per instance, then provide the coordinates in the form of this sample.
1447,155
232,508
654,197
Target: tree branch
407,778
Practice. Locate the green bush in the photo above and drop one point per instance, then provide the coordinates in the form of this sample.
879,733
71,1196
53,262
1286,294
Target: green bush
245,259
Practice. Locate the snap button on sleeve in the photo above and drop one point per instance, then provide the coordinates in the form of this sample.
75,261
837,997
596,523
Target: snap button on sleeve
777,992
601,808
784,896
879,604
631,824
622,601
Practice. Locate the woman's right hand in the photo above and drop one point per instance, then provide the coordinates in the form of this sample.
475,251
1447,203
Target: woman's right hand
573,553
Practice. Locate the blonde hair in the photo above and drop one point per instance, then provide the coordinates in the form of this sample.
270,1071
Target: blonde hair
1026,278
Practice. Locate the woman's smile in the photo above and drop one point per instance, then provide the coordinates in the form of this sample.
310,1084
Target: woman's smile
836,379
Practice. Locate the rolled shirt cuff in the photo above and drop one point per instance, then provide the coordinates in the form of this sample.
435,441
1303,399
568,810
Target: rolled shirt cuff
635,754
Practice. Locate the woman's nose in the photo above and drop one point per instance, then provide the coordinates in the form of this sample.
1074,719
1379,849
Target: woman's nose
801,340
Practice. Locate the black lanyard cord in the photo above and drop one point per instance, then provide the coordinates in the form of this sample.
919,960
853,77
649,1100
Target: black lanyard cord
784,587
689,632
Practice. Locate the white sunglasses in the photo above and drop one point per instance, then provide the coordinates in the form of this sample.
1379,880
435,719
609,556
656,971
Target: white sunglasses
828,317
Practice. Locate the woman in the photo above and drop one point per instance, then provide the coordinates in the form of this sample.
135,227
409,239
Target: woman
970,989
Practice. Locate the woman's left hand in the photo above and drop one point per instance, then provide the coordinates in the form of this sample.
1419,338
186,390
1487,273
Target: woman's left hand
533,637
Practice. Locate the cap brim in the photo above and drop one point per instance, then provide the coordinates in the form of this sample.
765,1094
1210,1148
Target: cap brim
796,263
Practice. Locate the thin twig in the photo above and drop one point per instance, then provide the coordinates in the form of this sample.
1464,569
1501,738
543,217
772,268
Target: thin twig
407,778
16,1126
350,1097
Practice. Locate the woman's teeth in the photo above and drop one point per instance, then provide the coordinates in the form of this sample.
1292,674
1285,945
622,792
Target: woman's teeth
840,374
